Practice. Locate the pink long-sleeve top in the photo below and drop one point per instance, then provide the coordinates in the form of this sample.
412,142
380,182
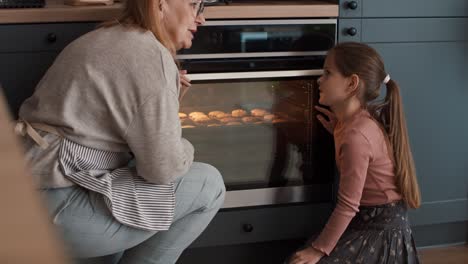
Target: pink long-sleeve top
366,175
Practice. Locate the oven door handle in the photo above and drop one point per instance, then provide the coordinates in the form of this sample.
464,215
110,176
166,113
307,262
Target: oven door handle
252,75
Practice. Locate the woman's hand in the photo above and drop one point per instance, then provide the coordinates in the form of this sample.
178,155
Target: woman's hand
308,255
331,123
184,83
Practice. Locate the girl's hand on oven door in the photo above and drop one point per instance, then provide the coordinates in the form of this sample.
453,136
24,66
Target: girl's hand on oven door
308,255
184,83
331,122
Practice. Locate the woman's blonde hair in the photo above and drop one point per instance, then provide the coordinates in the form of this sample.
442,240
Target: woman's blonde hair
144,14
362,60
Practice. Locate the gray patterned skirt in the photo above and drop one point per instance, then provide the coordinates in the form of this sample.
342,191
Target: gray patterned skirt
377,234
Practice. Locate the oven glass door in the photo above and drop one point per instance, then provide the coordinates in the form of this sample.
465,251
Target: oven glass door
260,131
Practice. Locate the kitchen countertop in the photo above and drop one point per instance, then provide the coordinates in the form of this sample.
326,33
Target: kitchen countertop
56,11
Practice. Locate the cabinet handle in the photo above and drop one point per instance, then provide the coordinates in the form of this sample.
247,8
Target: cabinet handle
351,31
248,228
51,38
352,5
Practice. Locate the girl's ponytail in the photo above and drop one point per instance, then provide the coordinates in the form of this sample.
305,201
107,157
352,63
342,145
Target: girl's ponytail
393,119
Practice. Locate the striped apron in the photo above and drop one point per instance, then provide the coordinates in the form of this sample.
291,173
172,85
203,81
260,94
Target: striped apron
131,199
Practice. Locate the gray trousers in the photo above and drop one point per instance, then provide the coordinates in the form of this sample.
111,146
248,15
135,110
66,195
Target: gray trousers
92,235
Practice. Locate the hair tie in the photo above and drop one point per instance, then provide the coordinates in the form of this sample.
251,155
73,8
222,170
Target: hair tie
387,79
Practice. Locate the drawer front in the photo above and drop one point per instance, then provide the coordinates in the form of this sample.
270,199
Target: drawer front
40,37
350,8
349,30
264,224
414,8
414,30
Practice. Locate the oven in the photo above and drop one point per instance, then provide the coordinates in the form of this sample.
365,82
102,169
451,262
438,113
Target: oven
250,110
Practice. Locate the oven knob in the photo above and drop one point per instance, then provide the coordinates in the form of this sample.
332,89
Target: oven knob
351,31
51,38
247,228
352,5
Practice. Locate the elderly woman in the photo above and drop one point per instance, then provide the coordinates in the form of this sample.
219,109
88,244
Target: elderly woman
111,97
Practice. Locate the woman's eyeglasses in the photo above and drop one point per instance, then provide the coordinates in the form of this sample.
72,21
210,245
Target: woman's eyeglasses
198,6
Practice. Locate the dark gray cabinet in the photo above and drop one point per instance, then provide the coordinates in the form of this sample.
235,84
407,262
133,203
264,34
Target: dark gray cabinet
27,51
350,8
433,79
414,30
349,30
257,235
19,74
40,37
242,226
386,30
425,48
403,8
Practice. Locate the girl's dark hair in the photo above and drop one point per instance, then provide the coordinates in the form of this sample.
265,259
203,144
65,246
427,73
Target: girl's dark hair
364,61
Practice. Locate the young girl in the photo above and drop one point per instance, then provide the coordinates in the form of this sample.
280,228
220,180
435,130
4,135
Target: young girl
377,176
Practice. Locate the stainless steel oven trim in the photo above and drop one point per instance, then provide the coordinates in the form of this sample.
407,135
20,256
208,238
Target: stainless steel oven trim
269,22
271,196
250,55
252,75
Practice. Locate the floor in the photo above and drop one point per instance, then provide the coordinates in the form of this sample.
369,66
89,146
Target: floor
444,255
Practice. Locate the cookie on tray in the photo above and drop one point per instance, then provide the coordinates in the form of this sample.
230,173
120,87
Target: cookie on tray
269,117
239,113
182,115
258,112
217,114
226,120
194,114
249,119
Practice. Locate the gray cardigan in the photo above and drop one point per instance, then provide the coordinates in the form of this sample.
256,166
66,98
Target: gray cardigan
114,89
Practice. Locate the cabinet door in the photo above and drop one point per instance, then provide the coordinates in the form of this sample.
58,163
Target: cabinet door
351,8
27,51
271,252
386,30
414,29
19,74
40,37
349,30
414,8
264,224
433,78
